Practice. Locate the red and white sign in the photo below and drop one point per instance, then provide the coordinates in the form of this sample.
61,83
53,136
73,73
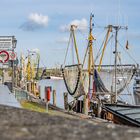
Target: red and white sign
4,56
12,55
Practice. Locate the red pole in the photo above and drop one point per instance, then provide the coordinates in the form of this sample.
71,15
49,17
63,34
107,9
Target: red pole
47,94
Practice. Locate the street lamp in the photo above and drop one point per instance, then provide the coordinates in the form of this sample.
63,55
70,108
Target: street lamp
14,43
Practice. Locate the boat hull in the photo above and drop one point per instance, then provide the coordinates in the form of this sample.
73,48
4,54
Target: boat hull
122,114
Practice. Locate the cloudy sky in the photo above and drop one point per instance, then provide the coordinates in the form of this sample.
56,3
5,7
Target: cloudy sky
44,25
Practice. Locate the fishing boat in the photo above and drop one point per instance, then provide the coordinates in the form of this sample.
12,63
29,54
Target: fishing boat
136,87
122,114
91,86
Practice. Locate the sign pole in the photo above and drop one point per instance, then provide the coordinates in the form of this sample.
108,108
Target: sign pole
2,75
13,76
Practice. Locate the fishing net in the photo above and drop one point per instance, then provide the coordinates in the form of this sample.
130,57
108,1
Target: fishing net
123,78
99,85
72,75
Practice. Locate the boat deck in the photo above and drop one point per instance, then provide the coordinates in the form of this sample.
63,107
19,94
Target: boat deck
127,114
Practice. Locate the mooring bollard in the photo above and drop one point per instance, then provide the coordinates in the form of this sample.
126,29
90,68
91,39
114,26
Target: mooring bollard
54,97
65,100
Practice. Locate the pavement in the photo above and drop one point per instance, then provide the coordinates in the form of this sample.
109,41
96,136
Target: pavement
16,124
7,98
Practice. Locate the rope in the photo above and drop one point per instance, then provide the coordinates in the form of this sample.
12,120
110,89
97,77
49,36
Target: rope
72,51
126,83
67,48
127,53
85,55
99,85
99,52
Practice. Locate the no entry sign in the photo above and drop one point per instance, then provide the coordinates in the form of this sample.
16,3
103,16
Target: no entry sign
4,56
12,55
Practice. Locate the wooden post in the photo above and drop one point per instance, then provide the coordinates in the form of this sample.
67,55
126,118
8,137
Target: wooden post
29,87
65,100
99,107
39,91
54,97
3,76
85,101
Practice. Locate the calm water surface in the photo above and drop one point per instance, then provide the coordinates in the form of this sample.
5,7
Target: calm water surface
57,85
60,88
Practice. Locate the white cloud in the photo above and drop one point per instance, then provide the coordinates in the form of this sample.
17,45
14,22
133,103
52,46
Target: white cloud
81,25
35,21
36,50
39,19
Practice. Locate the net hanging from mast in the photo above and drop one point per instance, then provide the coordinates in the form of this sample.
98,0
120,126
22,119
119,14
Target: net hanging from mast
124,74
72,73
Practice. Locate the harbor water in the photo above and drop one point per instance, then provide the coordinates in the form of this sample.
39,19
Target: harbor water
59,86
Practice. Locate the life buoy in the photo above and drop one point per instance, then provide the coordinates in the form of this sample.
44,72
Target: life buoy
7,56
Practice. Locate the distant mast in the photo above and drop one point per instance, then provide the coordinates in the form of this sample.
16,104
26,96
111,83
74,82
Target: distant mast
116,28
90,68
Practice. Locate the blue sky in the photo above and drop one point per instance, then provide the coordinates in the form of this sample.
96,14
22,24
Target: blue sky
39,24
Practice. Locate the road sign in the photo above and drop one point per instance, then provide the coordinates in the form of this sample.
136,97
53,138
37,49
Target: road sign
7,42
12,55
4,56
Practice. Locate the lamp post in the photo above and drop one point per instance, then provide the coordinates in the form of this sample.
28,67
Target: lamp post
14,42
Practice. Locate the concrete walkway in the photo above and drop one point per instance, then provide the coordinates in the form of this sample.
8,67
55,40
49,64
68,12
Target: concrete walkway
7,98
22,124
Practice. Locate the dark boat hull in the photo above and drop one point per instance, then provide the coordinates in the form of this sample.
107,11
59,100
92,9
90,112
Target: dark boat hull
122,114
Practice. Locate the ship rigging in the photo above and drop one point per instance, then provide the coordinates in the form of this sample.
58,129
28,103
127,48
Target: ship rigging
88,81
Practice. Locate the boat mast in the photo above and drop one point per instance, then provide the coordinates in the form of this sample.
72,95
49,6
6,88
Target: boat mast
116,54
116,28
90,56
90,66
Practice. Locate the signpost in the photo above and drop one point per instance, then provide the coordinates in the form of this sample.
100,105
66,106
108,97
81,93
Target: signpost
6,42
7,53
12,55
7,46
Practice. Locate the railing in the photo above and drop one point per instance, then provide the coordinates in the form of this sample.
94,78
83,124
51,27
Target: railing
22,94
